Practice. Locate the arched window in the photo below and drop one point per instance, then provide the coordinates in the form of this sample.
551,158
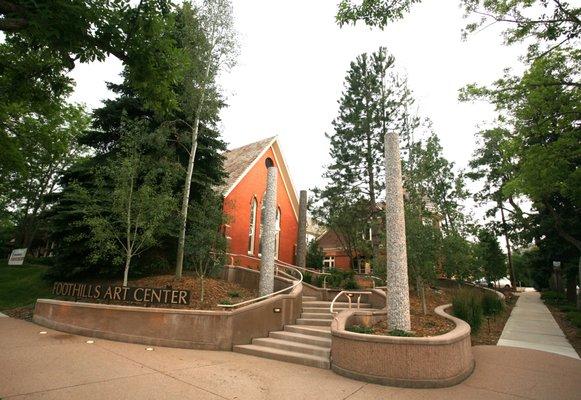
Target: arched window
252,226
277,235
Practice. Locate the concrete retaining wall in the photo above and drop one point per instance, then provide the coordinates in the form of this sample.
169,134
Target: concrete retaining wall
438,361
195,329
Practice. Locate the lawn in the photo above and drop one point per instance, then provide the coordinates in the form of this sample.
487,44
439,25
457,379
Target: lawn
21,285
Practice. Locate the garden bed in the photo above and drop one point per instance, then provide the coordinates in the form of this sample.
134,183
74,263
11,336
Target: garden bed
216,291
492,327
425,325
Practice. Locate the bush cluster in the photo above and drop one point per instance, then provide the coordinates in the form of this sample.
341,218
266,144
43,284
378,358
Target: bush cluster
471,306
360,329
339,279
552,297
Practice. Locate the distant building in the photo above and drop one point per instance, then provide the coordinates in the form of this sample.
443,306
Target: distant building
243,201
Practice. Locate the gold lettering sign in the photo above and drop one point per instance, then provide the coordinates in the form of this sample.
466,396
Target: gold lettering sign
122,293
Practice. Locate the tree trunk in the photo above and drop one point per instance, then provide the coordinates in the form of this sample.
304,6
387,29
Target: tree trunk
421,293
579,294
508,248
126,272
202,288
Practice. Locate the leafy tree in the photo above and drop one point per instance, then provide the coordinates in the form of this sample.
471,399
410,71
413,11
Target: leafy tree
543,113
205,243
215,23
315,255
140,201
458,259
553,23
423,247
489,257
47,146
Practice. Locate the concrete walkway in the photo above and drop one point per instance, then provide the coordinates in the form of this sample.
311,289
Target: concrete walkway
532,326
56,365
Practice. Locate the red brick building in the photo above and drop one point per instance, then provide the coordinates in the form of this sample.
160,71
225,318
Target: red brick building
243,200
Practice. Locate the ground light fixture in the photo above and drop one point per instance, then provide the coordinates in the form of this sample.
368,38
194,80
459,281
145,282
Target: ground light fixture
149,349
90,341
42,332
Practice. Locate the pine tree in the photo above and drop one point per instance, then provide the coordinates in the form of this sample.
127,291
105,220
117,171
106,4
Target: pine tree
375,101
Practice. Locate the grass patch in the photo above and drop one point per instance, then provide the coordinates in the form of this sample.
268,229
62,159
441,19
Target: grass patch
552,297
467,305
20,286
491,304
234,293
225,302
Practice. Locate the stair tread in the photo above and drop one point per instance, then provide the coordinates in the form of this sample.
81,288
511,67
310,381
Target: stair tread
312,327
301,336
304,346
284,355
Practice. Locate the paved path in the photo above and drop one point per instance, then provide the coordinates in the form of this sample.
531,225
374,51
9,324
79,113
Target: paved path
60,366
532,326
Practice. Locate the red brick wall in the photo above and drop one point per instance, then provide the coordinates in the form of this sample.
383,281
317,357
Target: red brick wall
237,207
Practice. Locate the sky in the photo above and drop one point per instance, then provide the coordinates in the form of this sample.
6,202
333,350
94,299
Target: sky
293,59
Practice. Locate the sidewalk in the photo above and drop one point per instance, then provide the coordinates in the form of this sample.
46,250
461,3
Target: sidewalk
531,326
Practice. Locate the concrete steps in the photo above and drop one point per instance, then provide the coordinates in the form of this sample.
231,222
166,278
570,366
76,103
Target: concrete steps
306,343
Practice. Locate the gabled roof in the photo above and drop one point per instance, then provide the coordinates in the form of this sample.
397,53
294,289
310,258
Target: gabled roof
240,160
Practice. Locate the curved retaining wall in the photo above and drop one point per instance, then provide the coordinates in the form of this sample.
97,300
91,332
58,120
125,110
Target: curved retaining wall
195,329
433,362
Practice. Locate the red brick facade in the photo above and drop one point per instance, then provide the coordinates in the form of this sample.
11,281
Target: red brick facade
250,186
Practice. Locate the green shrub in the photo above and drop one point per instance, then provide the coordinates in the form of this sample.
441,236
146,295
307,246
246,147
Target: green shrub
491,303
575,317
307,277
467,305
567,307
399,332
350,284
319,281
360,329
234,293
42,260
552,297
225,302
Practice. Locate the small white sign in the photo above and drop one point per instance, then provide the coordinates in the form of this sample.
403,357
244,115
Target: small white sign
17,257
556,264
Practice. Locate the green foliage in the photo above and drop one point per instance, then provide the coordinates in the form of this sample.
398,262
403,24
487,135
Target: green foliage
467,305
140,204
360,329
489,257
315,255
375,101
225,302
21,285
307,277
341,279
575,317
234,293
491,304
372,12
400,333
551,297
458,259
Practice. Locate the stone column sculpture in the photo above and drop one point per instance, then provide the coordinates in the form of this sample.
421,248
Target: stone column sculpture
268,236
398,302
302,234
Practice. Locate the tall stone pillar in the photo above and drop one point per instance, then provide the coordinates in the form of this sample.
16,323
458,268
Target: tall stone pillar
268,236
398,301
302,234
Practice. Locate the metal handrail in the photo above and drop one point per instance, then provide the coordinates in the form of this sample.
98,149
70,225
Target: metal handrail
266,296
347,293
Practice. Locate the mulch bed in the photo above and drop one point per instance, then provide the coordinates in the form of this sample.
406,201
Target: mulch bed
492,327
215,290
24,313
572,333
425,325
